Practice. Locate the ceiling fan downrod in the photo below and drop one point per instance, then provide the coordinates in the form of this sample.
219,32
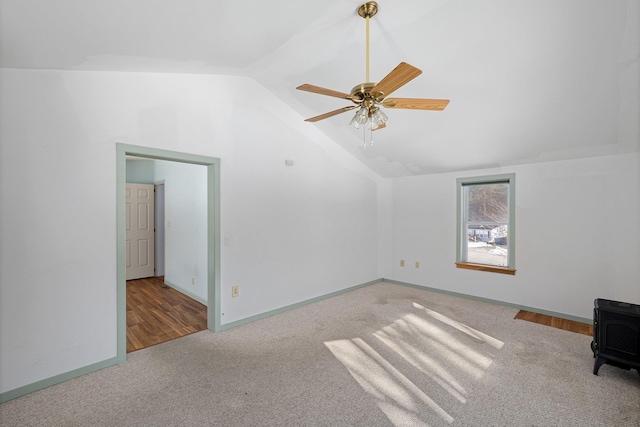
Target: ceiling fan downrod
367,11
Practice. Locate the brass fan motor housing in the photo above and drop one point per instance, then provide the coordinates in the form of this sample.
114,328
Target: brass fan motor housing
369,9
361,94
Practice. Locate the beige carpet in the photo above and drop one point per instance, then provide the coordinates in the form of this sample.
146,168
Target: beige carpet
383,355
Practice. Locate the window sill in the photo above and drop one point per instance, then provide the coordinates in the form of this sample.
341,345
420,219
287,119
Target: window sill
490,268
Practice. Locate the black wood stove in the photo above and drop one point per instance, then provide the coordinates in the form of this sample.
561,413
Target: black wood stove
616,334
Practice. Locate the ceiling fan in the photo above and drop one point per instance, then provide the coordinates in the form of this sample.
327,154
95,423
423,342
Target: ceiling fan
368,97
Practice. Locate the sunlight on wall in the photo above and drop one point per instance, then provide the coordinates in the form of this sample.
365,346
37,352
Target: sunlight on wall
444,352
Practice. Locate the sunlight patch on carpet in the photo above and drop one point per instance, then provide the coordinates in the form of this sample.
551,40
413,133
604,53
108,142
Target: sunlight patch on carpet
462,327
423,362
382,380
441,352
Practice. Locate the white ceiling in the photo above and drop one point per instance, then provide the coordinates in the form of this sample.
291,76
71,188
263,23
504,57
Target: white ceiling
529,80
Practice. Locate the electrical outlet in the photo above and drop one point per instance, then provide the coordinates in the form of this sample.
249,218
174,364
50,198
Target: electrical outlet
193,280
401,263
235,291
417,264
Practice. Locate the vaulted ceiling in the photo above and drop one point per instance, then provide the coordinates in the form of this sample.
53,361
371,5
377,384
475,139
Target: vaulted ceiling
528,80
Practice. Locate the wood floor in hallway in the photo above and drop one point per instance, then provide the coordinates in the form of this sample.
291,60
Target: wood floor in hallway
157,313
556,322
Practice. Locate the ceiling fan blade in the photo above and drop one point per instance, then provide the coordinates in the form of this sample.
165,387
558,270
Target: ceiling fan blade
397,78
416,103
323,91
331,113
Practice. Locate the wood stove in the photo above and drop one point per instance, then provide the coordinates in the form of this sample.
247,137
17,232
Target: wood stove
616,334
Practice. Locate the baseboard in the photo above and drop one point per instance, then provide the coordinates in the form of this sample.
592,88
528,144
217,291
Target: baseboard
246,320
187,293
39,385
48,382
493,301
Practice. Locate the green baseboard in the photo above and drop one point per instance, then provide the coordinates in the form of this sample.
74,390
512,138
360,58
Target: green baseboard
246,320
493,301
39,385
48,382
57,379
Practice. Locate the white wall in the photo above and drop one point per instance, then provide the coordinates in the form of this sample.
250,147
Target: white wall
577,235
296,232
185,209
385,228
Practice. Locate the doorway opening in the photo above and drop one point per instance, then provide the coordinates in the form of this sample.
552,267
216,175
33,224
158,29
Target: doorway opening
162,308
212,236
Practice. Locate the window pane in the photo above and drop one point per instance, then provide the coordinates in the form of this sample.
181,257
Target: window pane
488,203
485,232
487,245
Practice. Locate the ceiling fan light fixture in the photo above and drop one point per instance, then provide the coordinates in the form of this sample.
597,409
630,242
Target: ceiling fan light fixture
378,117
360,118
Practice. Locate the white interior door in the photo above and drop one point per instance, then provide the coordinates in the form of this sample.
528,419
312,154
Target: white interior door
140,231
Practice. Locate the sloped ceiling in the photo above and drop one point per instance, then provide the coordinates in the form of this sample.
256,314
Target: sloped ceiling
528,80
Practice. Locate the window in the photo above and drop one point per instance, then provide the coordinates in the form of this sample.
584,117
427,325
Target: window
486,223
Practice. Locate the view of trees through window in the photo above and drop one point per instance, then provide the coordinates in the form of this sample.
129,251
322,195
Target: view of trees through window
487,223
